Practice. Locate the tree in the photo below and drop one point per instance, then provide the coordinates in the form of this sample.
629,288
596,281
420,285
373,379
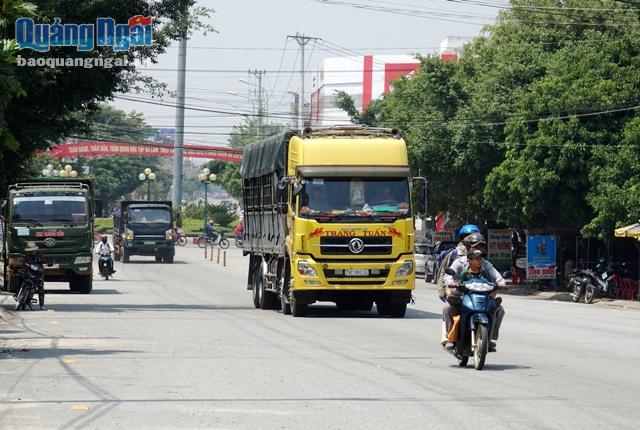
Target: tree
561,172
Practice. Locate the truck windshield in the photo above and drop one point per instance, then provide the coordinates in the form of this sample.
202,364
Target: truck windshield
50,209
362,198
149,215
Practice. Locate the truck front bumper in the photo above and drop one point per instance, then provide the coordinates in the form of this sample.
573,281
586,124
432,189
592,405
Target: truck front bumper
338,275
148,247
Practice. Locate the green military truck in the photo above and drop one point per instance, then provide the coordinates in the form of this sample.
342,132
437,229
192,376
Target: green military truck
144,228
58,216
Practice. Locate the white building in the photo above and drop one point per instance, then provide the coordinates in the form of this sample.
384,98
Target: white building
364,78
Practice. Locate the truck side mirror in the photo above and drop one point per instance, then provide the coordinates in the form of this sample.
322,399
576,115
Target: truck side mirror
297,188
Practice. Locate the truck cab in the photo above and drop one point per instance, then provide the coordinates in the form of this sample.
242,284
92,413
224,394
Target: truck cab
58,216
144,228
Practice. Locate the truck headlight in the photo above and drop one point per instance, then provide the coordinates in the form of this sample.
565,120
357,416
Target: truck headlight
129,234
168,234
305,270
406,269
82,260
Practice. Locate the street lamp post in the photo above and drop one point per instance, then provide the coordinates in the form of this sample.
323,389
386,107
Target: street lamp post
206,177
147,176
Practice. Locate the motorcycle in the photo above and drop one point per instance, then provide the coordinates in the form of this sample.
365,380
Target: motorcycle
179,238
477,315
105,264
588,284
217,239
31,280
239,241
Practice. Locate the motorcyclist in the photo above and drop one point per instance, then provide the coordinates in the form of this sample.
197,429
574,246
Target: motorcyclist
446,258
105,246
210,231
34,255
475,264
239,230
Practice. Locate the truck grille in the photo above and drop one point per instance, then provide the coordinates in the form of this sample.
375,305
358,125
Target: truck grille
340,245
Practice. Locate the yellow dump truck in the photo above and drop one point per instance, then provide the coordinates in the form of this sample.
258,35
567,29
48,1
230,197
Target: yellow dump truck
328,217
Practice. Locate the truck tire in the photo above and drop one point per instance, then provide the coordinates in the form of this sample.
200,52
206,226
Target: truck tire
284,286
397,309
158,258
81,284
125,256
266,299
382,307
168,258
297,309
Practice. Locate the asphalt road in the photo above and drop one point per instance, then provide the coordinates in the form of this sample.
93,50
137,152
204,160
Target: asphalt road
181,346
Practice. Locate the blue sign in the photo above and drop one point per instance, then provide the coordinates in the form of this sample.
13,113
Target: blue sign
41,37
541,257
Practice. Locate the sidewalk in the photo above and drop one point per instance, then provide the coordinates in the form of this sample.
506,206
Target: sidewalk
533,292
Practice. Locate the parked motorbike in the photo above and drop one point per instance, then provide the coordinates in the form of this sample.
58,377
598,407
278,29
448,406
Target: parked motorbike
105,264
179,238
239,241
477,315
31,281
589,284
217,239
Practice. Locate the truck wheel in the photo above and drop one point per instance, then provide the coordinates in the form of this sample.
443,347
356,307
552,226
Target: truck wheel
383,307
158,258
81,284
297,309
285,286
266,299
256,298
125,256
168,258
397,309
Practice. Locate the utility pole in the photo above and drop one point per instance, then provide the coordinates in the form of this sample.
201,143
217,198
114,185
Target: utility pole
259,75
179,142
302,42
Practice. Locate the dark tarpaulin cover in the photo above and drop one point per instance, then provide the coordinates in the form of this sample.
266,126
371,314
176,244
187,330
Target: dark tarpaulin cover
265,156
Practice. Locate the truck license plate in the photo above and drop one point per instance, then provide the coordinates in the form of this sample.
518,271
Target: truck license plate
149,242
356,272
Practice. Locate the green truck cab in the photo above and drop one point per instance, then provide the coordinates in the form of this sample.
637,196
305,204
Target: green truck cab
144,228
58,216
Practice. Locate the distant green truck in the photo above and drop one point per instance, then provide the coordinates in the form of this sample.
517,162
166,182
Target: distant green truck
144,228
56,214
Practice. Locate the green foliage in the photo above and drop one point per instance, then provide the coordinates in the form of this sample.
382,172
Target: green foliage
536,126
231,180
221,215
193,211
248,131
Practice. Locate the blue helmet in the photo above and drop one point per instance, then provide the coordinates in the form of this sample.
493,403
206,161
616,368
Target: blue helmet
466,230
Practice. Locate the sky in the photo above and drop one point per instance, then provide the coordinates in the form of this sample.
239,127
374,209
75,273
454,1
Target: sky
251,34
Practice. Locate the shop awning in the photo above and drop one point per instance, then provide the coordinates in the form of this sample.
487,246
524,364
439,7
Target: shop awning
632,230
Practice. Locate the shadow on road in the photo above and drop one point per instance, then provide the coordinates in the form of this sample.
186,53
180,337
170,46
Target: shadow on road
333,312
153,262
501,367
98,291
159,307
38,353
